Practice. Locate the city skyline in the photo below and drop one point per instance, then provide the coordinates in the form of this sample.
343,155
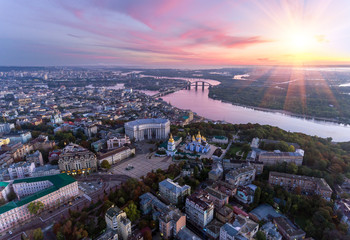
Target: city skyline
174,33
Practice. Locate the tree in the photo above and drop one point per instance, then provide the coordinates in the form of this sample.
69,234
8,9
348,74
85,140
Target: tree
260,236
291,148
35,207
257,195
132,212
60,236
38,234
105,164
292,168
147,234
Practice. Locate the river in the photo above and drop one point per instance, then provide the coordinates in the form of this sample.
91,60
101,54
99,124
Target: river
199,102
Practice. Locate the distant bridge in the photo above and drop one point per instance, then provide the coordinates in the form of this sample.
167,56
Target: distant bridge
197,84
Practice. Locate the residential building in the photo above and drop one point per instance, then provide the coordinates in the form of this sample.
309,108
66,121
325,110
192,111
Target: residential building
21,169
4,141
114,156
46,170
98,145
225,187
173,192
241,176
224,214
151,204
43,143
58,189
56,119
307,185
343,206
90,130
245,194
216,172
270,231
186,234
6,127
171,223
75,159
4,190
228,232
212,230
144,129
275,157
36,158
241,228
288,230
218,198
117,221
199,209
22,137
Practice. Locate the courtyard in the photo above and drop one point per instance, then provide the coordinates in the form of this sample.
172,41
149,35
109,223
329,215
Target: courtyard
140,165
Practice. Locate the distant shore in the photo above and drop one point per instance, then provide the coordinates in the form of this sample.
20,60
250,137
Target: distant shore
333,120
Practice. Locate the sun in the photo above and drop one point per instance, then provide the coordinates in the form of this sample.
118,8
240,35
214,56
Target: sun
300,41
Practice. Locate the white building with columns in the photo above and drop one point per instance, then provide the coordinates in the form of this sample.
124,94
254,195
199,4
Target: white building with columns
145,129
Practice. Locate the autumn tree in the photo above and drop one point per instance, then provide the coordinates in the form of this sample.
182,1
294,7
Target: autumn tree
35,207
105,164
38,234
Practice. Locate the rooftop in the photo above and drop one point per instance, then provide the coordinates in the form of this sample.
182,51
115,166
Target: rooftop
58,181
173,186
288,227
319,181
265,212
215,193
113,211
146,121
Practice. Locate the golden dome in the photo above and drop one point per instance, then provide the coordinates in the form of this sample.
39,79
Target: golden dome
199,135
204,139
193,138
171,139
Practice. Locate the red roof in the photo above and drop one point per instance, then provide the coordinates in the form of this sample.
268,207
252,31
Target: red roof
239,211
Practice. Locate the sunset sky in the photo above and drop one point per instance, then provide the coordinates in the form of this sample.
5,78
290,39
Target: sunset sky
174,33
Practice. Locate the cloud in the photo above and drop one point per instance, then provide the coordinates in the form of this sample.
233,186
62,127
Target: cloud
321,39
218,37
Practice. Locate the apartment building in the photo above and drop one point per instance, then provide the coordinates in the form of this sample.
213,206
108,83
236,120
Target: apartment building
117,221
307,185
275,157
172,191
199,209
241,176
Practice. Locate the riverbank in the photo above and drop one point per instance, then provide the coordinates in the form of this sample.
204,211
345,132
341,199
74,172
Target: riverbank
284,112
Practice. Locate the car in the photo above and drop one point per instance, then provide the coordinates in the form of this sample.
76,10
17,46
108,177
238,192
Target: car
10,232
50,211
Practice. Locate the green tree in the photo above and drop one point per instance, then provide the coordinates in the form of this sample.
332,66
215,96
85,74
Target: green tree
132,212
121,201
35,207
292,168
38,234
291,148
60,236
105,164
260,236
257,195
